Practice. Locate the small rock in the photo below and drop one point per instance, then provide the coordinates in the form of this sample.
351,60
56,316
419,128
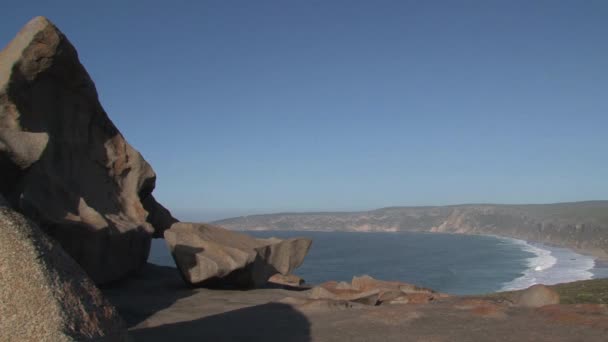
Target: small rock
286,280
536,296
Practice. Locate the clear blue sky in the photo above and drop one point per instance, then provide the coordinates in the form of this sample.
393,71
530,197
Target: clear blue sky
263,106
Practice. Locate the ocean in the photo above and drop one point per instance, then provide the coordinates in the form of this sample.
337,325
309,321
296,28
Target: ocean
451,263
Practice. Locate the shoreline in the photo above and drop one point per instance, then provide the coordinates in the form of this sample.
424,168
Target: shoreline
564,268
550,265
599,257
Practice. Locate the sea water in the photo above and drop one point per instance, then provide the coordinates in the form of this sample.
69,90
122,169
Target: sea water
451,263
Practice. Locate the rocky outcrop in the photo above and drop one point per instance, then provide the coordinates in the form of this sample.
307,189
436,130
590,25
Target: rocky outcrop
369,291
211,256
44,294
65,165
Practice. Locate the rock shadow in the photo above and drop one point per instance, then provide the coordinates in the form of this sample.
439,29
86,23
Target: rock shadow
266,322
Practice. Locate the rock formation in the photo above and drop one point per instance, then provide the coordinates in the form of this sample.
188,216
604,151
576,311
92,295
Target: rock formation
65,165
44,294
210,255
369,291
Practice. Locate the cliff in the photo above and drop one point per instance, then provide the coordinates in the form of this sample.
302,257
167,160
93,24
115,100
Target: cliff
580,225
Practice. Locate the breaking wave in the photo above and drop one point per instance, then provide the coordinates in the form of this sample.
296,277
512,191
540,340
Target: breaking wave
550,265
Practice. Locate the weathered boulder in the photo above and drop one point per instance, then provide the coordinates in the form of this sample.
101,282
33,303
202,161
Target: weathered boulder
536,296
64,164
44,294
209,255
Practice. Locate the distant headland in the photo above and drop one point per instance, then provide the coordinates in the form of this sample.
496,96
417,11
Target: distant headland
582,226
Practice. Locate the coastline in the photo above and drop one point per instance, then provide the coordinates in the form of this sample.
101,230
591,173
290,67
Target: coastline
598,258
550,265
557,263
600,255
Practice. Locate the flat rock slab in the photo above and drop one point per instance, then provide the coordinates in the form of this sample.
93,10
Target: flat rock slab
208,255
159,307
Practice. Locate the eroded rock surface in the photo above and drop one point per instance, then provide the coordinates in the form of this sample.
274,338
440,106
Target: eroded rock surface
211,256
64,164
44,294
369,291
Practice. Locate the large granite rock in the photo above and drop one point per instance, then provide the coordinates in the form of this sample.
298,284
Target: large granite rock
209,255
44,294
63,162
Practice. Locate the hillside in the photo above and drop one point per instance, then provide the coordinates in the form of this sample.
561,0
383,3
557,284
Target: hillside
580,225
